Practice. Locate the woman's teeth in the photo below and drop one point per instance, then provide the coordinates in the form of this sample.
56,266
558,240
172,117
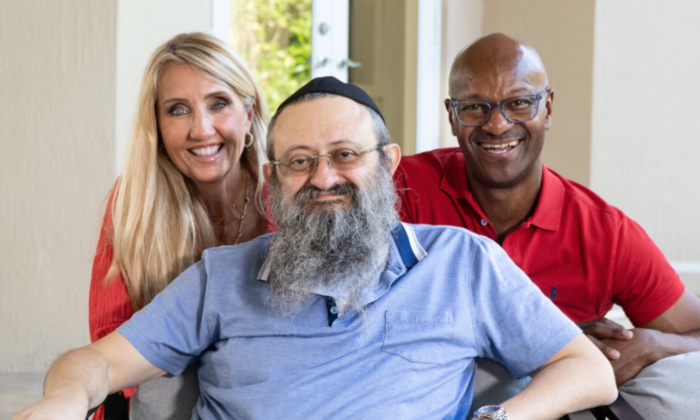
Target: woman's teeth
499,148
207,151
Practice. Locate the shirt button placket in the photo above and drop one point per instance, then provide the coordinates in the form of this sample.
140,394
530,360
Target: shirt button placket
332,310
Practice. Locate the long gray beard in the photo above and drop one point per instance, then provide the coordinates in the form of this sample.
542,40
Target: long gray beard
345,250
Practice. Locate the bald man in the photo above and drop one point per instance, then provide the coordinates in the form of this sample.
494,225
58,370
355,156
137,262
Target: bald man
583,254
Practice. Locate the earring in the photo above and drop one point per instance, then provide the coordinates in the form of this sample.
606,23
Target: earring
249,142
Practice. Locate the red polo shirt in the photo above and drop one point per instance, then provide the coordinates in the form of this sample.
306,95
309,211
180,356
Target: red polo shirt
581,252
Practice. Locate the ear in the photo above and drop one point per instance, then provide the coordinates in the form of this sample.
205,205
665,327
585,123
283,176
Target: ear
393,151
548,107
449,116
267,171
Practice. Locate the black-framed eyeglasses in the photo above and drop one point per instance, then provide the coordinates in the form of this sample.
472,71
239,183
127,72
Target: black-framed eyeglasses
518,109
341,159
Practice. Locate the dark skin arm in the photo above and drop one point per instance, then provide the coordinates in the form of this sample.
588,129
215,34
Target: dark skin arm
676,331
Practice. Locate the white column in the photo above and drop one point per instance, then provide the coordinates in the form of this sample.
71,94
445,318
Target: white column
428,111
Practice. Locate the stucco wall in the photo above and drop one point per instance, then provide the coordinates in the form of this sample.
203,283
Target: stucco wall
645,152
57,72
70,71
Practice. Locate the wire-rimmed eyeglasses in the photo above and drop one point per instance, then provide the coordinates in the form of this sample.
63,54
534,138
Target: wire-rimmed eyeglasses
341,159
518,109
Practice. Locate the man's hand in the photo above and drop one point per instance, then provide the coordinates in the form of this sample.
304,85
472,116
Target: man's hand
645,348
53,409
605,329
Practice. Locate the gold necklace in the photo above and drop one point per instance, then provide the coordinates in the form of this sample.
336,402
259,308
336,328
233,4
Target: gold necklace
240,219
245,208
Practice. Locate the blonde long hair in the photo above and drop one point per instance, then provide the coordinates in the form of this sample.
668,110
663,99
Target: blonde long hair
160,225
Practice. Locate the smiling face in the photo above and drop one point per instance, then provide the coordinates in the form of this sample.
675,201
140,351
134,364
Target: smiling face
320,127
500,154
202,124
334,224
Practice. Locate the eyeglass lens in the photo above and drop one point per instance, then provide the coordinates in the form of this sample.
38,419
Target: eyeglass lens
341,159
516,110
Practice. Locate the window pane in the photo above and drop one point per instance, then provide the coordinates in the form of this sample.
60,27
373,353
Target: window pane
274,39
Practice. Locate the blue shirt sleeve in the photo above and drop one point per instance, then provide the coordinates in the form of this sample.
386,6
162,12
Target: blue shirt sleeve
173,330
517,325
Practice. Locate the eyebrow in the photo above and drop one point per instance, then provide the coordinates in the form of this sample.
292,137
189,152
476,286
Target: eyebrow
209,96
520,91
305,147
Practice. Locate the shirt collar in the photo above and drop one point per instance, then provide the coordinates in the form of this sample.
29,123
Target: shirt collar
550,202
409,248
454,177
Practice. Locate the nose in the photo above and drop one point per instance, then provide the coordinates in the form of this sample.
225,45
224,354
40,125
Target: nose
202,126
324,176
497,124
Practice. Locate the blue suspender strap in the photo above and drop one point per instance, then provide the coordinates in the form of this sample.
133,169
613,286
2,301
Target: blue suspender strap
410,250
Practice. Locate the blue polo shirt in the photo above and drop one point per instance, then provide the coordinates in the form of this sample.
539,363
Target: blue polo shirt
446,297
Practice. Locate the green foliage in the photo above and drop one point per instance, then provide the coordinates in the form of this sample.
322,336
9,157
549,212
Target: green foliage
274,38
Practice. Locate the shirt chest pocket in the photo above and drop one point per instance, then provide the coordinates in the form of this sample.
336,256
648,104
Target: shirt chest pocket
418,337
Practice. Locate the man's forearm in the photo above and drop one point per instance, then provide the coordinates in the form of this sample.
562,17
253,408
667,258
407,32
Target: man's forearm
577,381
76,382
80,375
82,379
675,344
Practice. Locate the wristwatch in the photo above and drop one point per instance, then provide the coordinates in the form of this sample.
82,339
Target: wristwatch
491,412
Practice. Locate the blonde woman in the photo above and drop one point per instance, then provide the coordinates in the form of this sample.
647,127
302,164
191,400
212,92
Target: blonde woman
191,179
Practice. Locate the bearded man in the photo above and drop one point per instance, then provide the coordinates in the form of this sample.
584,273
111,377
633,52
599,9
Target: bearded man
346,312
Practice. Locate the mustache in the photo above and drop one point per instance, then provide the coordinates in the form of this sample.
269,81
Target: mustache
479,136
308,192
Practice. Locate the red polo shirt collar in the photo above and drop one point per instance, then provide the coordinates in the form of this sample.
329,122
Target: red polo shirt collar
550,203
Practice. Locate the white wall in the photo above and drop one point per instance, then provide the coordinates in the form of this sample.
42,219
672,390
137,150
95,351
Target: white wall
69,77
57,73
645,154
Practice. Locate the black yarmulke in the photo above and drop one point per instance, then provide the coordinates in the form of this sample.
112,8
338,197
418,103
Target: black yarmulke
330,84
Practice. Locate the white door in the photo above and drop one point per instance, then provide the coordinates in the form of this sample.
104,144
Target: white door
329,39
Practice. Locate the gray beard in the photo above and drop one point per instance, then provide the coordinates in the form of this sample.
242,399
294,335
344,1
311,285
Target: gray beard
342,249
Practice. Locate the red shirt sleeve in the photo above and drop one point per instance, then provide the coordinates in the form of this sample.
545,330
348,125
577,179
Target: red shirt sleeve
644,283
110,305
402,190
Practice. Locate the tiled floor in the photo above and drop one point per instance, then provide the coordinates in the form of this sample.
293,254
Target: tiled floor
18,391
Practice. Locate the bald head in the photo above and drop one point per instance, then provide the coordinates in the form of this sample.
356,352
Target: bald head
495,58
